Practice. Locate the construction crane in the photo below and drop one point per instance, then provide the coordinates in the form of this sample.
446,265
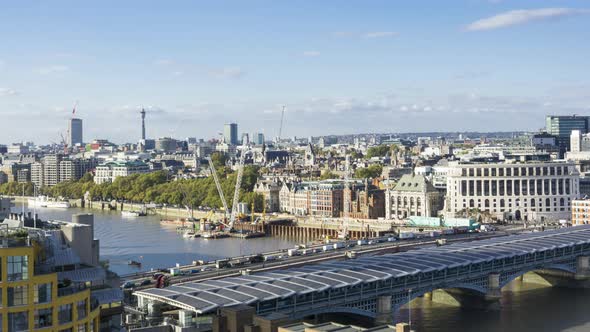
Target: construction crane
281,125
234,209
218,185
347,198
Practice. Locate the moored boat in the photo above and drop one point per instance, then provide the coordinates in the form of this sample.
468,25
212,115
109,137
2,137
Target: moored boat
46,202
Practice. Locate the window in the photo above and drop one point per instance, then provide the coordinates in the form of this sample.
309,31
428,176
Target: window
18,268
43,293
18,295
81,307
18,321
43,318
65,313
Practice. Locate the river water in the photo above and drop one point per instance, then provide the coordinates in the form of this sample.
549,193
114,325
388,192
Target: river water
145,240
523,307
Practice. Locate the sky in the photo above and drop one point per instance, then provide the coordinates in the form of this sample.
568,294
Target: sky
339,67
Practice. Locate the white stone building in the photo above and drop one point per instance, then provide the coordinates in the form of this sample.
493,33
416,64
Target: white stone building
108,172
533,191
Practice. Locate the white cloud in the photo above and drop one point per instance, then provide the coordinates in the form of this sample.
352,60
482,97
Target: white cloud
381,34
522,16
311,53
228,72
53,69
163,62
5,92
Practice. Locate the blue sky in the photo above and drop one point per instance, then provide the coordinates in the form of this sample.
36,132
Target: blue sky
339,66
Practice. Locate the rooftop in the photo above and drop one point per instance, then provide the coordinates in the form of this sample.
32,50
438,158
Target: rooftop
207,296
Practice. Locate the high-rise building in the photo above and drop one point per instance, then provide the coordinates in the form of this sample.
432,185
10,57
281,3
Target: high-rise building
230,133
258,138
575,141
75,132
562,126
166,144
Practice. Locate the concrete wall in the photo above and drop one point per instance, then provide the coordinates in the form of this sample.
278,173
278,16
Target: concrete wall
80,236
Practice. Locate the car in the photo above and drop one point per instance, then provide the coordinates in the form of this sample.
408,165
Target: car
128,285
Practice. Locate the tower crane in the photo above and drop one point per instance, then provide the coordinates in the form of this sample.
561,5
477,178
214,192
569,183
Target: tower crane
234,209
281,125
218,185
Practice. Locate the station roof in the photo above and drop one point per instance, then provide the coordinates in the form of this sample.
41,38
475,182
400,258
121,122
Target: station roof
206,296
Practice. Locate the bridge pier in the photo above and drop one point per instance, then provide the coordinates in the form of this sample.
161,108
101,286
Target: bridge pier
384,310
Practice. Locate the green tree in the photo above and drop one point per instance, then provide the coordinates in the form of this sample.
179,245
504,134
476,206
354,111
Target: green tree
378,151
372,171
326,175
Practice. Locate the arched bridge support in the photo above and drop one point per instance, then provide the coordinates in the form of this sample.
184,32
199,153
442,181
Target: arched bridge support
465,297
578,279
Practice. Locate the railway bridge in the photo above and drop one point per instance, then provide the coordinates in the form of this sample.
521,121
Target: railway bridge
377,286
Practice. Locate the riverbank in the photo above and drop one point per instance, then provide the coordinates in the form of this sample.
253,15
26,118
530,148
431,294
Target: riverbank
165,212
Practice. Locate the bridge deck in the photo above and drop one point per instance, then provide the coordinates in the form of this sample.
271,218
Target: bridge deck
208,295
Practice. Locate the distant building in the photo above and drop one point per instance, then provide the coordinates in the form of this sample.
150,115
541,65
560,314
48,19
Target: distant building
413,195
166,144
56,168
581,212
532,191
258,138
75,130
270,189
562,126
147,144
230,133
17,148
318,198
108,172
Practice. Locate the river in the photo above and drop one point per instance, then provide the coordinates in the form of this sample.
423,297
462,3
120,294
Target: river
523,307
145,240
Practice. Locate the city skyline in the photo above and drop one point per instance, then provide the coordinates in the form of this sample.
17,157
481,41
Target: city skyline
423,66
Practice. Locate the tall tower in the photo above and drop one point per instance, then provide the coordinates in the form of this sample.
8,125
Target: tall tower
142,124
75,132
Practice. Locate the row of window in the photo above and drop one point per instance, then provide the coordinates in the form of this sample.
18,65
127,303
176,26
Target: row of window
515,187
19,321
19,295
515,171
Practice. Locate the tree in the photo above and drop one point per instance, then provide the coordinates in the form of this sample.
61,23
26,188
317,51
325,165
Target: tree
372,171
378,151
326,175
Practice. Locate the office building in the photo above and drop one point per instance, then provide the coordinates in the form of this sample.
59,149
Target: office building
533,191
413,195
258,138
75,130
166,144
230,133
562,126
108,172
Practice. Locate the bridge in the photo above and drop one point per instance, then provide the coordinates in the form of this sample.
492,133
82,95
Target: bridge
377,286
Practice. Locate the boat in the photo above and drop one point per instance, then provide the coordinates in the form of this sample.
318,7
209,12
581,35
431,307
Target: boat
132,214
189,235
134,263
46,202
